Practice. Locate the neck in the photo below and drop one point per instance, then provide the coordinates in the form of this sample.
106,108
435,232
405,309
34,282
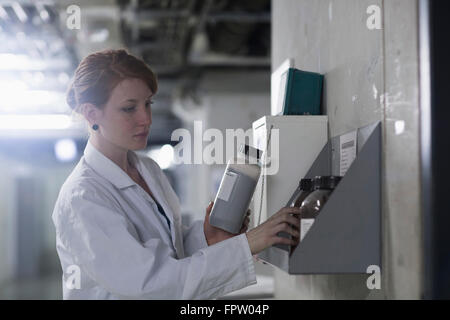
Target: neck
114,153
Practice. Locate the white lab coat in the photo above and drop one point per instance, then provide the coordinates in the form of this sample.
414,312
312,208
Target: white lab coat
109,229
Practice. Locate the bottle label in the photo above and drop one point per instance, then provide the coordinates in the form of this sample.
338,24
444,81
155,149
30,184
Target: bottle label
305,224
226,187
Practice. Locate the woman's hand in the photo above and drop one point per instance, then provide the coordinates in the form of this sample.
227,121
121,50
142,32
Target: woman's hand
265,235
246,222
213,234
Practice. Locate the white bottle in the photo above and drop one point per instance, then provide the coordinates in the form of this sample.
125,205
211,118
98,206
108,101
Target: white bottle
236,190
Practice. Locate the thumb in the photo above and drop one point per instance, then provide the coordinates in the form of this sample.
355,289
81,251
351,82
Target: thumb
209,208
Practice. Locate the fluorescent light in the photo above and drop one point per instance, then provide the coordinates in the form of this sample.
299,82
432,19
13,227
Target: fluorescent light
63,78
20,13
9,61
3,14
17,97
65,150
34,122
43,13
100,35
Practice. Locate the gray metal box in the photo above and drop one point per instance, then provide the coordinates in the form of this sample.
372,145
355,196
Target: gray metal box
346,236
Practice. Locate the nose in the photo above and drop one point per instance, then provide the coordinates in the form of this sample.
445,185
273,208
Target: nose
145,117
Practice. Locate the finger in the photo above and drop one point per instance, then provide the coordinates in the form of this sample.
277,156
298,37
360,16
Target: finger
210,205
288,229
290,210
285,212
281,240
208,209
294,221
244,227
288,217
286,220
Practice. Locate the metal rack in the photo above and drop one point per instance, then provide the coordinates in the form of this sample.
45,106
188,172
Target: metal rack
346,236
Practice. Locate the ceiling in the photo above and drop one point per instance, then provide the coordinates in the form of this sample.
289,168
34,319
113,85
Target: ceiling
177,35
179,39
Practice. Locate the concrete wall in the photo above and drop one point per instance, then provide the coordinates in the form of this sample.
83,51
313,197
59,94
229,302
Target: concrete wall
370,75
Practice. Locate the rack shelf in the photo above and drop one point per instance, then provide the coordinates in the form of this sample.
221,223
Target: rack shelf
346,235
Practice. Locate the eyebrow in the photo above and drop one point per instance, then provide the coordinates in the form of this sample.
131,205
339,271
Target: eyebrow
134,100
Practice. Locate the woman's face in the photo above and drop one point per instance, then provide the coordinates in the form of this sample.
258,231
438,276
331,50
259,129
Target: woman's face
127,116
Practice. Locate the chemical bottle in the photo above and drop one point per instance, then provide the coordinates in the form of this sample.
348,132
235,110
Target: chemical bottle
236,190
305,187
310,207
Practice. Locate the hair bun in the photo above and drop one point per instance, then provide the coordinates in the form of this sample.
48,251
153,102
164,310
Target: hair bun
70,98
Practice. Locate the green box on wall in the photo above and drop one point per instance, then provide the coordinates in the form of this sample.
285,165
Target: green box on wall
301,92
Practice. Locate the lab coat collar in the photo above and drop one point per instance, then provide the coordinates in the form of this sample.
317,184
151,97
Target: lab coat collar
113,173
107,168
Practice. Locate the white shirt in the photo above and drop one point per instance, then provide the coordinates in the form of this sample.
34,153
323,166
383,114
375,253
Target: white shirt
111,229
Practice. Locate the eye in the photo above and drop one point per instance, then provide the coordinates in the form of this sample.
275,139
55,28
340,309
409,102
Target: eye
129,109
148,103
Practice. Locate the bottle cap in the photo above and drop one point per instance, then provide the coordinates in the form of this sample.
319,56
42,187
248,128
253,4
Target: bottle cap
306,184
326,182
251,152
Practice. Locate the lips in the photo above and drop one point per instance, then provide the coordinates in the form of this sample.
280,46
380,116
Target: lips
141,134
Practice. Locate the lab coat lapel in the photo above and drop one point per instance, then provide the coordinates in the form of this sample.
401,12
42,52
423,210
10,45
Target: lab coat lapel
157,191
161,197
177,232
109,170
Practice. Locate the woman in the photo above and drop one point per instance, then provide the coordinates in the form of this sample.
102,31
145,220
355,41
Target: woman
117,219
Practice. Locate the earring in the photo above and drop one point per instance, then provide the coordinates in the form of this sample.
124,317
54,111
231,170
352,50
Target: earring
95,126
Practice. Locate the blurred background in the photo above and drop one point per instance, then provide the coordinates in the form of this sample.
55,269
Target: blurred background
202,53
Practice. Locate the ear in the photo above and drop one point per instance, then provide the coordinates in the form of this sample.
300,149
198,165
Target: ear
91,113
